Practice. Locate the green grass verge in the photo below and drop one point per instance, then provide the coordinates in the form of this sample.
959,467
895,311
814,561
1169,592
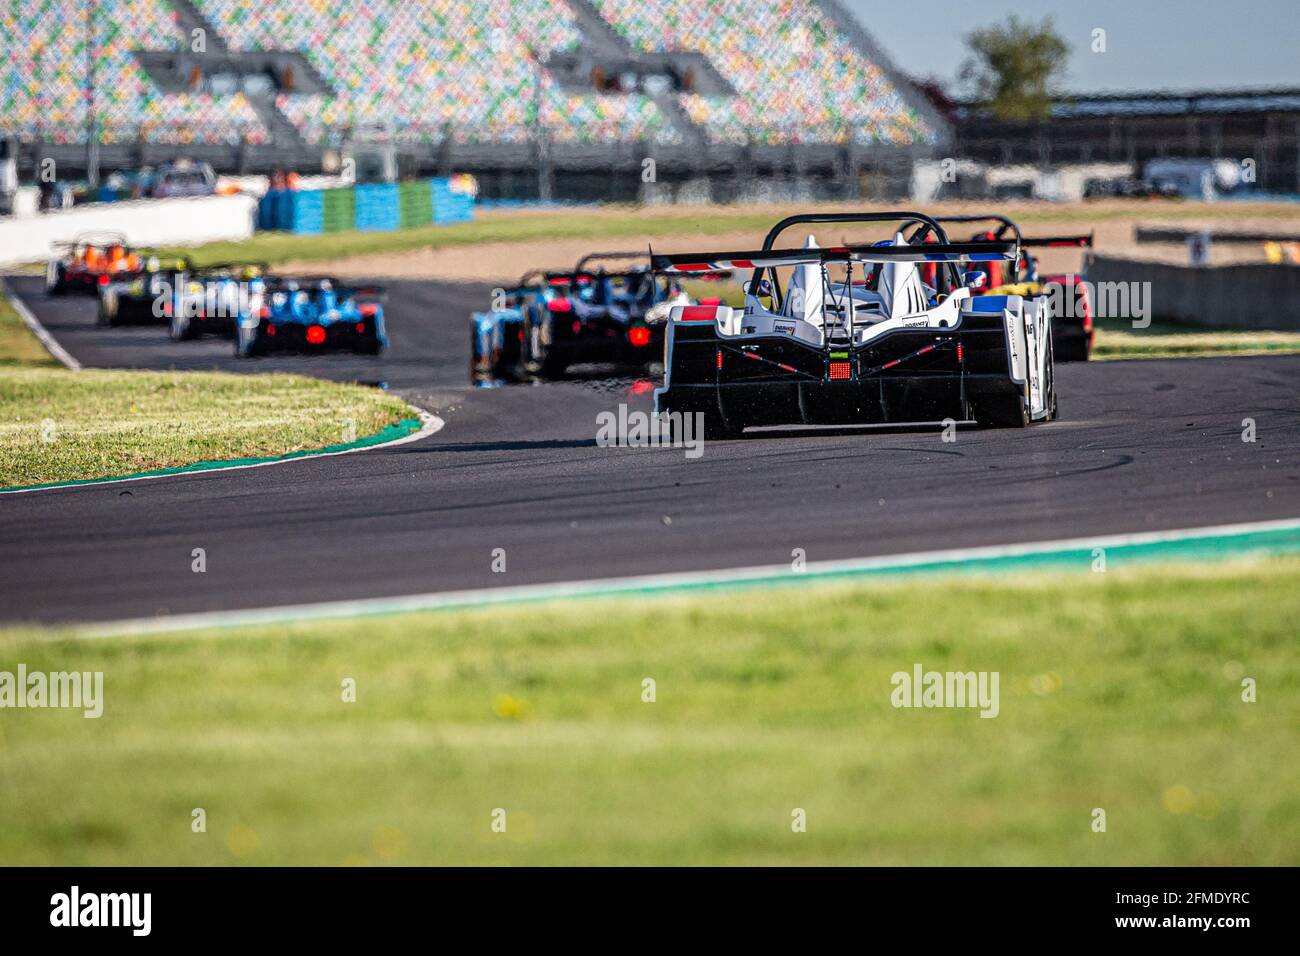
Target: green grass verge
1119,340
1119,690
18,347
57,425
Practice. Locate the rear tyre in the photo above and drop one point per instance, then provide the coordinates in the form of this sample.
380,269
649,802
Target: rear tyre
246,344
510,364
1002,411
718,428
54,279
553,361
545,356
1051,378
554,366
1073,348
108,310
536,342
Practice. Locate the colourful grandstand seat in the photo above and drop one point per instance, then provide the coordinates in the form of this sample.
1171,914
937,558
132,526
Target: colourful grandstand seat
43,46
415,70
796,76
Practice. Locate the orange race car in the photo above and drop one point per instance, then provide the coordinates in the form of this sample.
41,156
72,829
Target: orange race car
90,261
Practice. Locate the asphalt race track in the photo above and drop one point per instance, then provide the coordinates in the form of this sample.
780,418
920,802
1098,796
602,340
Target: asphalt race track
1140,446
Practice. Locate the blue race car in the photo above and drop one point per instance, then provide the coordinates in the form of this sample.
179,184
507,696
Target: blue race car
310,315
210,300
549,321
500,346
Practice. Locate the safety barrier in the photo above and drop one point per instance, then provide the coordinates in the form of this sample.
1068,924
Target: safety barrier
145,223
371,207
1221,297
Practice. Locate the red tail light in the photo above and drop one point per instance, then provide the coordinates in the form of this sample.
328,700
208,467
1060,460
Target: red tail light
840,371
264,312
719,358
368,309
270,331
959,352
103,280
360,327
560,305
639,336
315,334
698,313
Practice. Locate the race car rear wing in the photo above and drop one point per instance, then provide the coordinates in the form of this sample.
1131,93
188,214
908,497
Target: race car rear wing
99,240
156,263
703,262
314,283
590,257
96,237
586,276
216,269
1005,225
1060,242
1036,242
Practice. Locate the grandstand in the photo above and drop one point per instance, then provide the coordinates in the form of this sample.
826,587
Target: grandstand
534,96
45,97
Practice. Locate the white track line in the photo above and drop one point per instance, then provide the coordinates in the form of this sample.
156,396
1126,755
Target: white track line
430,424
38,330
294,613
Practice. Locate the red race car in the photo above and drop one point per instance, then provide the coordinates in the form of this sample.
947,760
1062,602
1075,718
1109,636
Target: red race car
1072,307
90,261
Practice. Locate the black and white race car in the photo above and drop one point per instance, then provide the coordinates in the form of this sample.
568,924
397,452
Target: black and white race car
855,336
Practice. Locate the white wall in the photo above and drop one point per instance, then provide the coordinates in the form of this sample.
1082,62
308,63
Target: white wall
1058,184
145,222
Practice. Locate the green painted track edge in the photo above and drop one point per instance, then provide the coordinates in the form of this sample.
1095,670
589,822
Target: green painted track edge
406,426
